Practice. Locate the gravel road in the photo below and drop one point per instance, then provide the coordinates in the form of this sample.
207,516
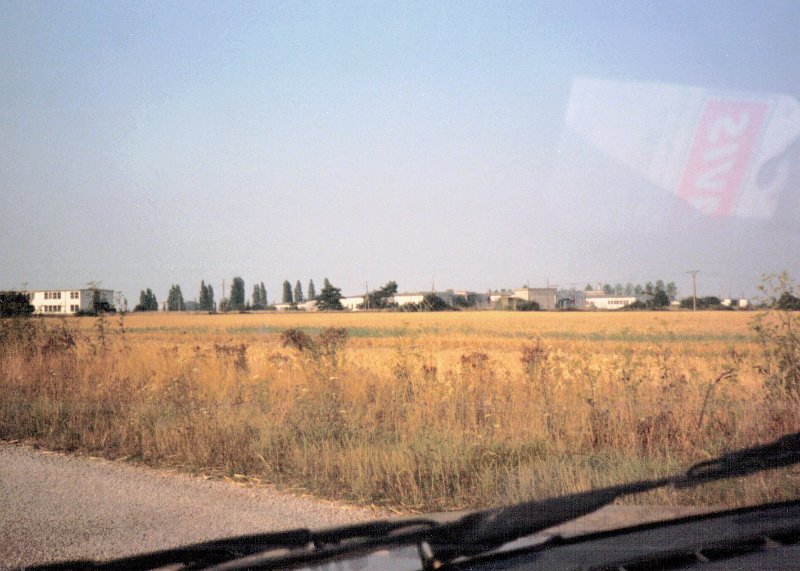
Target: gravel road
55,507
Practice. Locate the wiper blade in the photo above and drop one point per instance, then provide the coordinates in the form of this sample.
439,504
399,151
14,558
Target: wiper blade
438,543
213,553
196,555
486,530
782,452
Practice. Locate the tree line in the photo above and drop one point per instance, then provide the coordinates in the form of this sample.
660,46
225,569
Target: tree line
329,297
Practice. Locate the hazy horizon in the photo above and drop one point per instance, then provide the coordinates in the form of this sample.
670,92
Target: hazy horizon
474,145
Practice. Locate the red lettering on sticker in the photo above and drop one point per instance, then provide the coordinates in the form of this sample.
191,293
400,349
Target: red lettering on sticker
724,140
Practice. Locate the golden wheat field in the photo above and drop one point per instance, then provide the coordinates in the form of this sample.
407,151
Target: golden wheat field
413,411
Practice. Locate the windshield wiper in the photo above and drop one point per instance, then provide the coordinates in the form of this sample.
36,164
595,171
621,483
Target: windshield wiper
476,533
486,530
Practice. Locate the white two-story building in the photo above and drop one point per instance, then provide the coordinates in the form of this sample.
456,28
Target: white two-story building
67,301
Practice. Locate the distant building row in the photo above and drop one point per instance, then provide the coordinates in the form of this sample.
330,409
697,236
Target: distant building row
548,299
70,302
357,302
545,297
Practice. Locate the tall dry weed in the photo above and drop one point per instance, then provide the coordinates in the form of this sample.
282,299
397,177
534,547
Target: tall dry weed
417,419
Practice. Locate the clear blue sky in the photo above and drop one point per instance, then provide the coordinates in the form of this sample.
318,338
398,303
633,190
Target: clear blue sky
152,143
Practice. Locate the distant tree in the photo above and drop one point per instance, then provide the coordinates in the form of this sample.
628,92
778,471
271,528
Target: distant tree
263,293
608,289
629,288
147,301
383,297
206,297
464,301
329,297
257,298
312,292
203,304
672,291
210,290
635,306
287,292
788,302
618,289
15,304
588,287
175,299
709,302
638,290
142,305
648,288
236,302
527,306
431,302
298,292
660,299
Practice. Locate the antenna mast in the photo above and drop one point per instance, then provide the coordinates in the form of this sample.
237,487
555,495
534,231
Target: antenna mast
694,288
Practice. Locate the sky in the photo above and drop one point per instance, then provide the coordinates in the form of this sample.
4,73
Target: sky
466,145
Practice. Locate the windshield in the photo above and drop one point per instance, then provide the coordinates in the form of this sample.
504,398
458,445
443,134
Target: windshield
401,258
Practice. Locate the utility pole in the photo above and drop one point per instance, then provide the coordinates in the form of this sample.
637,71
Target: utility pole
694,288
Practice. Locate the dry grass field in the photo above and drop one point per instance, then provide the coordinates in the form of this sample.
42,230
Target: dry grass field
415,411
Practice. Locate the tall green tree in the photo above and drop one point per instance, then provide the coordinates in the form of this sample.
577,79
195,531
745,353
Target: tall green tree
329,298
287,292
211,305
298,292
15,304
202,304
256,303
312,292
206,302
660,298
175,299
147,301
263,292
142,305
237,298
672,291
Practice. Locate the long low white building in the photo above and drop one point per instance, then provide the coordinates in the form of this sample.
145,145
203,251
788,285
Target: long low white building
601,300
67,301
352,302
402,299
